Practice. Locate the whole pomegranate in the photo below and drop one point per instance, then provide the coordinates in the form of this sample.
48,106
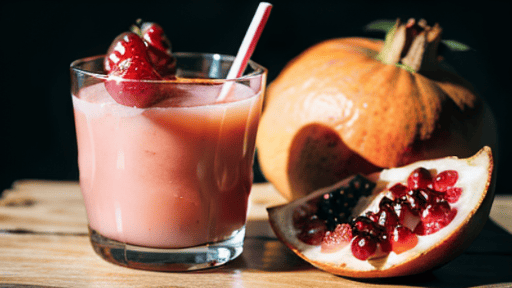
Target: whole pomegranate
356,105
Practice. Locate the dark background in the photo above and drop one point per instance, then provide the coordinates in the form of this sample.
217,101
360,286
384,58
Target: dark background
41,39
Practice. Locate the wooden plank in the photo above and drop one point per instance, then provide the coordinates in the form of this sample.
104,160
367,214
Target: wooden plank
43,241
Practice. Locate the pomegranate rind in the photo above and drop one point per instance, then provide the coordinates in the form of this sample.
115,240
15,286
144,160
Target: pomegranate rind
475,175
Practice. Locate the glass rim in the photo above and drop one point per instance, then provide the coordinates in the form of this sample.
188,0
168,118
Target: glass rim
259,70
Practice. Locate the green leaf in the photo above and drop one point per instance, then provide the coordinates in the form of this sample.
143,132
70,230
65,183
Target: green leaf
455,45
380,25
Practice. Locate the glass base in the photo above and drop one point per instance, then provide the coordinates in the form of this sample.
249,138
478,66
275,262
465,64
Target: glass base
162,259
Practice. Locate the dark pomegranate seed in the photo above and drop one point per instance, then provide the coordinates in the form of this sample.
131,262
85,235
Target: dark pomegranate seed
420,178
453,194
363,225
403,239
372,216
363,247
302,214
313,232
387,218
398,190
445,180
431,196
415,200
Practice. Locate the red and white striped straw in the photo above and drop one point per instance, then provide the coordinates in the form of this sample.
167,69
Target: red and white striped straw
247,47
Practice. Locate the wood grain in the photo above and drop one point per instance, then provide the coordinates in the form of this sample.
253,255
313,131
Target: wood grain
44,242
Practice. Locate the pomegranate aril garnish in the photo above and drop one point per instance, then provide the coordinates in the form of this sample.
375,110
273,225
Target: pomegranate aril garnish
336,240
453,194
445,180
420,178
398,190
313,232
403,239
363,247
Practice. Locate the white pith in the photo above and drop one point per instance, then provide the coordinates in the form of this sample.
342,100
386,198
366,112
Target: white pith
474,178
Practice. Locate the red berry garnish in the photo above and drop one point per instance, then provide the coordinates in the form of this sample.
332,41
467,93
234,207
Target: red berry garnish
363,247
127,45
420,178
159,49
445,180
403,239
125,87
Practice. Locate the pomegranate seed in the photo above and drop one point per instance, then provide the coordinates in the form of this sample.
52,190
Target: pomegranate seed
415,200
337,239
372,216
445,180
398,190
387,218
427,228
403,239
435,211
385,244
313,232
453,194
363,225
431,196
363,247
420,178
302,214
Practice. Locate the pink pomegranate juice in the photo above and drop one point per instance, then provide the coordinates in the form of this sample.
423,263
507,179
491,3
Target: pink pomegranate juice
166,177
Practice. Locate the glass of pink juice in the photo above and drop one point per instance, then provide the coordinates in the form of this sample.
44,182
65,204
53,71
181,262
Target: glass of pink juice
166,187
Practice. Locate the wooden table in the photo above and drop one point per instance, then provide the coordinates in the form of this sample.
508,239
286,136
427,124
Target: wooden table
44,242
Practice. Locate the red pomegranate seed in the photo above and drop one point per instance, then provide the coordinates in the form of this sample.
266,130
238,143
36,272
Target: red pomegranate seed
420,178
337,239
363,247
313,232
434,225
403,239
453,194
302,214
445,180
398,190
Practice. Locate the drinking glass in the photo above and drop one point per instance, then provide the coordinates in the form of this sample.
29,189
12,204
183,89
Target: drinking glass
166,187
